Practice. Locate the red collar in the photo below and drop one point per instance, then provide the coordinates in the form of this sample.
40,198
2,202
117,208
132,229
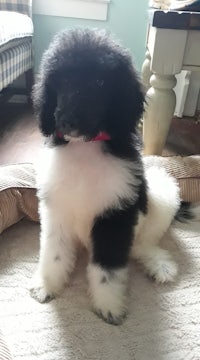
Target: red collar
102,136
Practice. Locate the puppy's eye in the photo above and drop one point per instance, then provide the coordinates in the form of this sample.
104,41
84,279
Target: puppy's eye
100,82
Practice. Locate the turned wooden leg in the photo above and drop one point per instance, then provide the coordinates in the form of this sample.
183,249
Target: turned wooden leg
146,71
146,75
29,78
161,100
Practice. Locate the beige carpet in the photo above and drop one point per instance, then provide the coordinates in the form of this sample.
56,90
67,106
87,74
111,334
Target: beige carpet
164,321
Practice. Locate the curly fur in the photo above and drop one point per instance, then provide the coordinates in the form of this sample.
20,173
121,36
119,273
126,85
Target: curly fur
90,79
96,192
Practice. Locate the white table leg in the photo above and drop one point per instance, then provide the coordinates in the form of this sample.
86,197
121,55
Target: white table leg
146,71
161,101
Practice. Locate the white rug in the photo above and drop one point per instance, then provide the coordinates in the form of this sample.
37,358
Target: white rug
163,321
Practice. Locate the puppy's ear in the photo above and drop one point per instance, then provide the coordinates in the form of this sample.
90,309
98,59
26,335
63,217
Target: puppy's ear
44,102
127,99
136,98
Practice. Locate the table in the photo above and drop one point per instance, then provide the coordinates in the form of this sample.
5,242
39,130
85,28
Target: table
173,44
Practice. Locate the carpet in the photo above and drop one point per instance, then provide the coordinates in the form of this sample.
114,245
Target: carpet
163,321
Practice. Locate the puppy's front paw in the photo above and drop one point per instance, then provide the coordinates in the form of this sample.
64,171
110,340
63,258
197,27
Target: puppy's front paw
111,316
108,293
41,294
110,306
42,289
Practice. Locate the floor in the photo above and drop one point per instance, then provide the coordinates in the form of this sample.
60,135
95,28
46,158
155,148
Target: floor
20,139
162,322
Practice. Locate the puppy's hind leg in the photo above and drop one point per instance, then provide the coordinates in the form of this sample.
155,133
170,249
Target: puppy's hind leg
57,258
157,262
163,203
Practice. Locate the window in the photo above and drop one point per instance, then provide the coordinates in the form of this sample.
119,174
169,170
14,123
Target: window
82,9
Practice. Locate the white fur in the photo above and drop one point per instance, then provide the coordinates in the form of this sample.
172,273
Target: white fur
108,292
76,183
80,182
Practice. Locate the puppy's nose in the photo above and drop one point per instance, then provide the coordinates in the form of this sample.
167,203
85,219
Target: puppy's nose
65,122
71,124
69,127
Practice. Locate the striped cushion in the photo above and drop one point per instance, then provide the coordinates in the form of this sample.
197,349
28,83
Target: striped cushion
14,26
16,204
14,62
4,351
21,6
17,194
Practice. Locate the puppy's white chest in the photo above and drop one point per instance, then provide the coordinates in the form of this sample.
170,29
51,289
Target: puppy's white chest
82,181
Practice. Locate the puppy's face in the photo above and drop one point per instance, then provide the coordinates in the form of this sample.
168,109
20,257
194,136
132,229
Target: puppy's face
87,85
82,104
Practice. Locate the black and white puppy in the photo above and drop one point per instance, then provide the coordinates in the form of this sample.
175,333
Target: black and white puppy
92,186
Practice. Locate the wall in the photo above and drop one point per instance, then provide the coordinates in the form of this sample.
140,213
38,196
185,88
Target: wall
126,18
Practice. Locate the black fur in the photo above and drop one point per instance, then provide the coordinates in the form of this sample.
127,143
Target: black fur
113,231
88,84
142,199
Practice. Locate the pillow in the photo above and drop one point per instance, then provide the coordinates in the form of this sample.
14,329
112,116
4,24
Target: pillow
17,194
14,26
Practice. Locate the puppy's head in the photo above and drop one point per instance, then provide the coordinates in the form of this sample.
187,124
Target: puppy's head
87,85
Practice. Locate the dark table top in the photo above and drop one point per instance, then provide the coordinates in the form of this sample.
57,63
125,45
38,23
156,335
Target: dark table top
182,20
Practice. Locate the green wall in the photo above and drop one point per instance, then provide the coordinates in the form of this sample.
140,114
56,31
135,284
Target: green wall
126,19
